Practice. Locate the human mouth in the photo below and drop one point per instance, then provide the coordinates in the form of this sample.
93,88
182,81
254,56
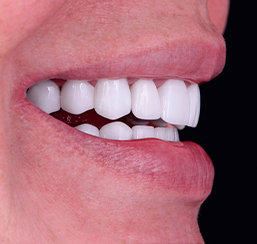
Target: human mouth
130,126
135,142
121,109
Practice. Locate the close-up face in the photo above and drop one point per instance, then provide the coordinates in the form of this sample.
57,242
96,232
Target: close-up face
93,97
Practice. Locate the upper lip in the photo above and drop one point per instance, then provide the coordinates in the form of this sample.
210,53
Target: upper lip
197,60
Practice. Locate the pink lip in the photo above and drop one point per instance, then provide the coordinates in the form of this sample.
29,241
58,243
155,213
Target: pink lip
177,60
183,167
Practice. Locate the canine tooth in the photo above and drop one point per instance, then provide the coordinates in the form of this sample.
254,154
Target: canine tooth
194,98
77,96
141,131
167,134
89,129
112,98
145,100
45,95
116,131
174,102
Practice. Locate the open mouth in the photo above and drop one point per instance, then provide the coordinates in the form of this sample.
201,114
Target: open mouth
94,96
121,109
130,125
114,109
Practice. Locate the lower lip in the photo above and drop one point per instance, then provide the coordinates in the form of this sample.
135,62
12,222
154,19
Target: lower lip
181,167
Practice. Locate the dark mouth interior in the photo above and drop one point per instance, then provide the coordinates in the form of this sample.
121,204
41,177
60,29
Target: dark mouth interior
91,117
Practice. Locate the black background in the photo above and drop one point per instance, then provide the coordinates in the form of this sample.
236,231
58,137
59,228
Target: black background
226,132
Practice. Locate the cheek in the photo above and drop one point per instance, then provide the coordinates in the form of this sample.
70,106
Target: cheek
218,11
21,19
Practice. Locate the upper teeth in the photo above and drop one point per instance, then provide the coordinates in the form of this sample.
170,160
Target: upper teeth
77,96
176,102
145,100
45,95
112,98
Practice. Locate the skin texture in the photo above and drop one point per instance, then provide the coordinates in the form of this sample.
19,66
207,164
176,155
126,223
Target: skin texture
60,186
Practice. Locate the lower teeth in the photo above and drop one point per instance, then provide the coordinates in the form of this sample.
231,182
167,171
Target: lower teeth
120,131
127,128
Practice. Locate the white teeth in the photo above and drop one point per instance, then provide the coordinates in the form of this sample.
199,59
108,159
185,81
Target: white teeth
176,135
120,131
45,95
112,98
77,96
167,134
141,131
116,131
180,127
194,97
174,102
89,129
145,100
